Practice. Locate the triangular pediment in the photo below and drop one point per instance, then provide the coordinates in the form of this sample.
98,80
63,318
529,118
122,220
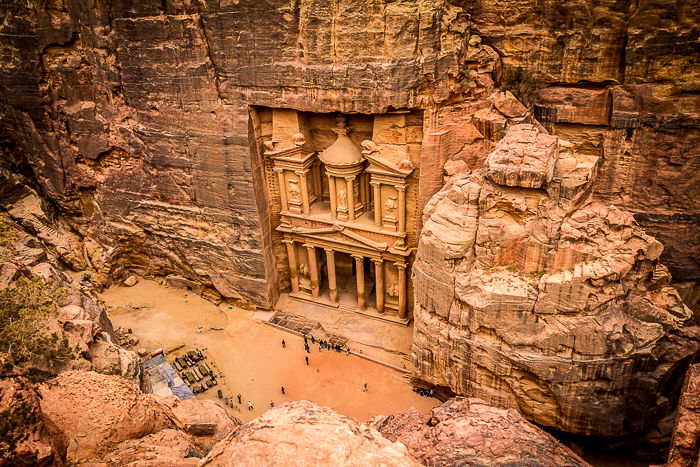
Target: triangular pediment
342,235
378,164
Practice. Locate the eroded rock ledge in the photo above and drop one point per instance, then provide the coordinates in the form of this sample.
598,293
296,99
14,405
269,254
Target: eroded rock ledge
531,296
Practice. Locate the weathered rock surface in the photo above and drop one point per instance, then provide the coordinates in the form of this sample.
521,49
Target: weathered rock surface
165,448
95,411
38,441
470,432
303,433
685,445
542,300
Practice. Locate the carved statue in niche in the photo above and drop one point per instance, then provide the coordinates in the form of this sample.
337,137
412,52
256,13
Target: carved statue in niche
393,291
391,204
406,164
303,270
342,198
294,193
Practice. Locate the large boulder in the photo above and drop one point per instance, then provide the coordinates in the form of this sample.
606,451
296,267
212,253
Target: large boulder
96,411
303,433
470,432
206,420
528,295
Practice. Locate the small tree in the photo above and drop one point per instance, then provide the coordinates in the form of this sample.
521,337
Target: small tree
521,83
26,309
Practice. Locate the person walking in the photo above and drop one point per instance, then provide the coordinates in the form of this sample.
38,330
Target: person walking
284,344
250,406
239,399
307,360
319,347
272,403
283,390
347,353
305,341
364,389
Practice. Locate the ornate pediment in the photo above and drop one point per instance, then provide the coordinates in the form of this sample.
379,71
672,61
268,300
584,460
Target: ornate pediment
340,234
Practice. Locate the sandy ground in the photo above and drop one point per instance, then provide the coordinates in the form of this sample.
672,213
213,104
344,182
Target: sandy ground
250,356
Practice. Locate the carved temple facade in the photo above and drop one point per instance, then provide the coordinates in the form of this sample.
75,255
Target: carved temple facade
343,190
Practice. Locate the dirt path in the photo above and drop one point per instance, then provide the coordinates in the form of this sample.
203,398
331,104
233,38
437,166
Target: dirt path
251,357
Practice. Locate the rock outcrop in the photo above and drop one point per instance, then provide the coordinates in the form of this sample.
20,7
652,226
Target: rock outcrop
29,437
470,432
96,411
303,433
685,444
530,295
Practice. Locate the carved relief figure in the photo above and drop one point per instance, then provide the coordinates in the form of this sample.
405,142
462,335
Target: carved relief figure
342,198
393,291
303,269
391,204
294,193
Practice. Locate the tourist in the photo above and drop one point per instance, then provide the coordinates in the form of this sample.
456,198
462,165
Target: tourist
307,360
420,392
306,347
283,390
305,341
250,406
319,347
239,399
313,341
272,403
431,393
219,394
347,353
364,389
284,344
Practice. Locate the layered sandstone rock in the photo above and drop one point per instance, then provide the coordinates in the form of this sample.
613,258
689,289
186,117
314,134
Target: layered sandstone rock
685,445
205,420
29,437
165,448
95,411
470,432
303,433
529,295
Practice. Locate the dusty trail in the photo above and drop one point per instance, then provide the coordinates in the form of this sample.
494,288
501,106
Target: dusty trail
251,357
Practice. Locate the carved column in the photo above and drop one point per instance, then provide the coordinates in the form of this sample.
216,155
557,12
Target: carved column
351,197
283,187
379,281
363,191
330,262
377,204
332,195
402,207
403,311
360,269
313,269
292,256
304,191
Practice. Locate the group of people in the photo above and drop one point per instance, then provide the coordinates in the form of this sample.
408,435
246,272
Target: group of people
425,392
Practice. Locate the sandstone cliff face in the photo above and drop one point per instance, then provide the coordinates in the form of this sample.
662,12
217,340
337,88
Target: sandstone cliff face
685,445
530,295
470,432
134,116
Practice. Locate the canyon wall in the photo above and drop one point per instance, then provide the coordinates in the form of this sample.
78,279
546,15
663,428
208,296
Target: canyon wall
133,118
